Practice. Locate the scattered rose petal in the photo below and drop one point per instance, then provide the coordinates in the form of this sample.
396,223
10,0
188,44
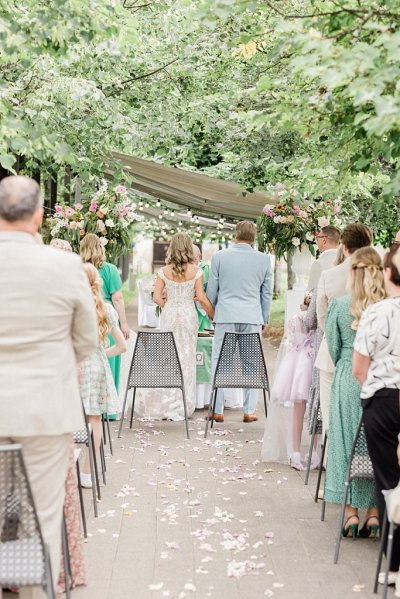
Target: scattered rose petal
156,587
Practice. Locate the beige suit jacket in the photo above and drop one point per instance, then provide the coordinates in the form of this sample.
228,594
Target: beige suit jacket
334,282
325,260
48,324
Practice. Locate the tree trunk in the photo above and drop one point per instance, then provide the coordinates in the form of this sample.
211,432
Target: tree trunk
277,279
291,277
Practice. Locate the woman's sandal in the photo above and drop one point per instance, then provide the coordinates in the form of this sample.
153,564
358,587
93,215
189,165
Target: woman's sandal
352,528
370,531
295,462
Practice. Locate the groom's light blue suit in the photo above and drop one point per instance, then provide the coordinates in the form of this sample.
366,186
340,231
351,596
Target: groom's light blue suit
240,289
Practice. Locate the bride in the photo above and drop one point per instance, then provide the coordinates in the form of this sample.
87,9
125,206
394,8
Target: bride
177,286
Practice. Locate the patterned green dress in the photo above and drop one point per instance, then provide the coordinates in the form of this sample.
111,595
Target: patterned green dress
344,410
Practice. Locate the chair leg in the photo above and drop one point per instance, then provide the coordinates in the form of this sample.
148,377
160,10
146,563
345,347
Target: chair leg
109,434
314,430
321,466
81,502
123,411
103,424
389,552
133,407
380,556
95,476
323,509
103,463
185,412
213,408
66,559
210,413
49,589
265,404
341,521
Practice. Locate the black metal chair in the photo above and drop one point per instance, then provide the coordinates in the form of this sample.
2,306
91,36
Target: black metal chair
240,365
321,467
315,430
389,550
24,557
77,453
107,432
155,364
85,437
360,467
68,582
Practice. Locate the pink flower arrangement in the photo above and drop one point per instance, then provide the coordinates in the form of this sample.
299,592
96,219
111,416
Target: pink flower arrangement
93,206
78,206
69,211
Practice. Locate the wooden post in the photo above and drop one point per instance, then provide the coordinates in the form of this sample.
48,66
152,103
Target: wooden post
291,277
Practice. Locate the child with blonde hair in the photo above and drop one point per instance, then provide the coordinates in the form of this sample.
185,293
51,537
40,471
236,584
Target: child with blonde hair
98,391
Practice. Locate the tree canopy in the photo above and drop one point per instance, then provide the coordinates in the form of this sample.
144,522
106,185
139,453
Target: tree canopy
303,92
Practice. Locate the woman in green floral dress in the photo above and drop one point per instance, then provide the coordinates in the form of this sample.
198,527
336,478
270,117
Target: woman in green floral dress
345,406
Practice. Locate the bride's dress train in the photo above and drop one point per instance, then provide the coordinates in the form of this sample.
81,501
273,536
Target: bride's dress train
179,316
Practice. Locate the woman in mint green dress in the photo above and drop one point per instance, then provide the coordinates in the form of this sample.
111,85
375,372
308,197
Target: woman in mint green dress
92,250
345,404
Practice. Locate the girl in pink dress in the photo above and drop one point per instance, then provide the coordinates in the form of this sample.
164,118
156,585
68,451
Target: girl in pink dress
289,395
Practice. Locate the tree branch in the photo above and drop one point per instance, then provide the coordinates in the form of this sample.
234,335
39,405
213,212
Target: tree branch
144,76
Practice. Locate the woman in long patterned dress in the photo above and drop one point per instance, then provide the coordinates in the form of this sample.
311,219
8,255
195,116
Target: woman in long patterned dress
345,406
176,287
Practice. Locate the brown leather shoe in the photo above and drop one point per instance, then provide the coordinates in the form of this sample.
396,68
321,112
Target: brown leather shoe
217,417
250,418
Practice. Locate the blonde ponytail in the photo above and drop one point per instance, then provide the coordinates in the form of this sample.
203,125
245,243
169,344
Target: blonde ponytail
368,286
95,285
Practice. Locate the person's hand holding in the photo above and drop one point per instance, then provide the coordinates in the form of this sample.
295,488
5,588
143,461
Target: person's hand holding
125,330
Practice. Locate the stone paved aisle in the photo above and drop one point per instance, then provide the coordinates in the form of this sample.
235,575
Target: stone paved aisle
198,519
206,519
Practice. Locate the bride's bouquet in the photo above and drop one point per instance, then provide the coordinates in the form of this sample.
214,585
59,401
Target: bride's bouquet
149,289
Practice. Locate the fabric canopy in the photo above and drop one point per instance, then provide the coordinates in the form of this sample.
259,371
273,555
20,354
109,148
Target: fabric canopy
193,190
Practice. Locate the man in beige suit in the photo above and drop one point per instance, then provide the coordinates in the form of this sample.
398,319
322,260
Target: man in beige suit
335,282
327,242
48,325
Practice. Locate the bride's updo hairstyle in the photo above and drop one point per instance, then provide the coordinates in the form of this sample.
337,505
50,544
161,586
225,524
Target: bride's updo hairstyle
368,286
180,254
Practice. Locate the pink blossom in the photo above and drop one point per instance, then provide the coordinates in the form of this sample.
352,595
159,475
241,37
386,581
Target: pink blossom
93,206
268,211
59,209
323,221
297,209
120,189
337,207
69,211
79,206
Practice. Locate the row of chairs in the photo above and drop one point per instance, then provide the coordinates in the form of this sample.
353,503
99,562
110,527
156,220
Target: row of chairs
359,468
155,364
24,557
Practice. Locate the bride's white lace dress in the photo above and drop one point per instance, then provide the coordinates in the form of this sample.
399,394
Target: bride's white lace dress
179,316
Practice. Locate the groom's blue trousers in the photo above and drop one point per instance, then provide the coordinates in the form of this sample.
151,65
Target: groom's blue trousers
250,395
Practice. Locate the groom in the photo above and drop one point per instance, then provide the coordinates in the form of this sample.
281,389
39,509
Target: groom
240,289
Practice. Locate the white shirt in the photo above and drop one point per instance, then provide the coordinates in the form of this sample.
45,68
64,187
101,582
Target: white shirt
378,336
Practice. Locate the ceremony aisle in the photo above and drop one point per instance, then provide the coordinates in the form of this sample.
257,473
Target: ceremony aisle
197,519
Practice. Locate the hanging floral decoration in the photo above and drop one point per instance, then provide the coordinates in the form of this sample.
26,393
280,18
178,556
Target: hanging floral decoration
294,221
109,213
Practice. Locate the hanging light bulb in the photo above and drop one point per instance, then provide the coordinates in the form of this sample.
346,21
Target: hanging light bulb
146,205
158,203
189,213
180,223
160,216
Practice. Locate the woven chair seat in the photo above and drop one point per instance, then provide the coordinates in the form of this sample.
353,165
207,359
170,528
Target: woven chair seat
21,562
80,437
361,467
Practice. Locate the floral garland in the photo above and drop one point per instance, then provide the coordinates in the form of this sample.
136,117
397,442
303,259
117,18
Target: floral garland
109,213
294,221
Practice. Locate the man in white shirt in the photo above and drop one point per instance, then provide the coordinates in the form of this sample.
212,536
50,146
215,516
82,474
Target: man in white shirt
327,239
335,282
